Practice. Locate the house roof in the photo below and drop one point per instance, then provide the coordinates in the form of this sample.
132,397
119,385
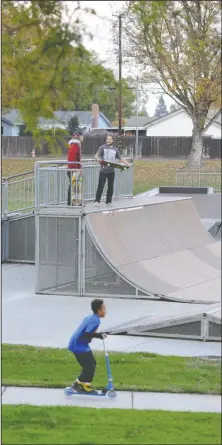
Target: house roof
63,117
142,120
155,119
6,120
13,117
213,116
84,117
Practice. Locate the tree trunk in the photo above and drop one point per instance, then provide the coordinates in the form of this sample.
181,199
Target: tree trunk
195,157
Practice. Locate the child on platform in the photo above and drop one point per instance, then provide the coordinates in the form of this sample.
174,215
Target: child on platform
79,346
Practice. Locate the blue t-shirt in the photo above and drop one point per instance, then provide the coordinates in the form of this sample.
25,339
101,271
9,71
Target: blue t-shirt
77,342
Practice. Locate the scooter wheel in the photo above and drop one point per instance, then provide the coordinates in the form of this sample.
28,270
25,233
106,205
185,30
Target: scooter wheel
112,394
68,391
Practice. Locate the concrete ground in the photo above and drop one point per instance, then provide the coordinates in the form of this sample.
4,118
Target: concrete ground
48,320
124,400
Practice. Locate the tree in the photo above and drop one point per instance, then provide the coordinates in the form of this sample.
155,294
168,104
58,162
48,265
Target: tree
90,82
73,125
45,67
178,46
36,44
143,112
174,107
161,109
23,131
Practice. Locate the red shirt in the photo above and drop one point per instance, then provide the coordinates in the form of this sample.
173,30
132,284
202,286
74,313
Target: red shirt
74,154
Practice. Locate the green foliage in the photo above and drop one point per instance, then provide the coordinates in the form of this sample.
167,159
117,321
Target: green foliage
45,67
23,131
35,45
54,132
92,83
73,125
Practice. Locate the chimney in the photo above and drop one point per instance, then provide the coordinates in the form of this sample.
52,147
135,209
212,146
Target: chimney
95,116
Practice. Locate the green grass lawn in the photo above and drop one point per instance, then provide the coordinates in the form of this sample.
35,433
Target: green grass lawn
48,367
71,425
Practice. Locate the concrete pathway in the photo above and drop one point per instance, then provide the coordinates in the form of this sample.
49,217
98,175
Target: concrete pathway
124,400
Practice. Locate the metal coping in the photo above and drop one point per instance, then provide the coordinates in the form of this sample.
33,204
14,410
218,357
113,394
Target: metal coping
189,190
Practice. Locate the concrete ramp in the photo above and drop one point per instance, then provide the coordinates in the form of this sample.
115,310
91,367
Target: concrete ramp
161,248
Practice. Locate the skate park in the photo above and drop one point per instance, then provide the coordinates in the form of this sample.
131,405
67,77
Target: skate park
152,257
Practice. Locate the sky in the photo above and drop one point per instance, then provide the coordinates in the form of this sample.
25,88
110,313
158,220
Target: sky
100,26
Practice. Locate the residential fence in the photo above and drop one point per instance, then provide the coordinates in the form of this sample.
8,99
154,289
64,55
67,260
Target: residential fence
148,146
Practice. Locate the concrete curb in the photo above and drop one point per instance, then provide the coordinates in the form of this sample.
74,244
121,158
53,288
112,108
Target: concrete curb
125,400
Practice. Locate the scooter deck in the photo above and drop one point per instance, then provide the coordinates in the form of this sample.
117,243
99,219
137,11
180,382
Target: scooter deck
101,393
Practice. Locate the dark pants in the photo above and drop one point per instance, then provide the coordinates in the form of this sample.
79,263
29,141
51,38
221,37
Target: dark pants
69,173
102,180
88,364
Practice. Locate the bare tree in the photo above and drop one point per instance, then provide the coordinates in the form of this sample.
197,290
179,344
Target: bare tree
177,44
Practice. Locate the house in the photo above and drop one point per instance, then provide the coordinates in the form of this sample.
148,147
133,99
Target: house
130,125
179,123
129,128
7,128
213,127
88,120
11,123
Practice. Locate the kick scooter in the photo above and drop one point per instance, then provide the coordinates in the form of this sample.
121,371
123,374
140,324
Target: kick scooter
108,390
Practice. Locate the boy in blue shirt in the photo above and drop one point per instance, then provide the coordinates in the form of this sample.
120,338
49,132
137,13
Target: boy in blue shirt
79,345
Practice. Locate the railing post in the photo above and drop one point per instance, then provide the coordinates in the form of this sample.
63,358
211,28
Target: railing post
5,197
37,191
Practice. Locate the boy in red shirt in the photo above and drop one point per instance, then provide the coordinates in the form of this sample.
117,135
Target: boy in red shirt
74,160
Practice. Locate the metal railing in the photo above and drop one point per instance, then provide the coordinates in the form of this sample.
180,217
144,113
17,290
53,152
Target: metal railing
60,186
199,178
18,193
49,185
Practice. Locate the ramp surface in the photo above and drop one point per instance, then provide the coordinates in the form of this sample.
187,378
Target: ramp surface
161,248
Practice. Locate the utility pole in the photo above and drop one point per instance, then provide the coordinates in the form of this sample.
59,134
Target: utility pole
120,75
137,112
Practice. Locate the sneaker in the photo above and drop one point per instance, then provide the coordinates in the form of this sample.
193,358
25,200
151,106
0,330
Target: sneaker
81,387
96,204
87,387
108,204
76,386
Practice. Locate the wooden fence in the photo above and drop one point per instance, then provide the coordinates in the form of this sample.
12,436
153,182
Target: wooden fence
159,147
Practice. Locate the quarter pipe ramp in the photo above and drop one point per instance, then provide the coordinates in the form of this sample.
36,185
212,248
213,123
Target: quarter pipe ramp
161,248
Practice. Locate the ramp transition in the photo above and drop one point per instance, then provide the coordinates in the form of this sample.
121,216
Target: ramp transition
161,248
